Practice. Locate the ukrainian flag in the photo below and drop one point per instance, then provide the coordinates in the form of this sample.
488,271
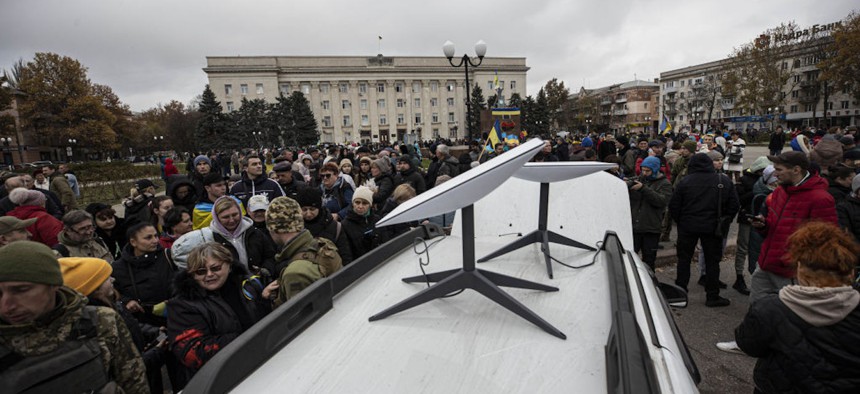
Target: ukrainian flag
493,138
665,126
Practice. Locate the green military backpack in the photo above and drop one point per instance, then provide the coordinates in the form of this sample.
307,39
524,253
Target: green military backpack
318,260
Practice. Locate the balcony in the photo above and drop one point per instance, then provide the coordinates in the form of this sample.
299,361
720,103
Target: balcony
621,100
619,112
671,111
671,89
670,101
808,99
606,101
808,84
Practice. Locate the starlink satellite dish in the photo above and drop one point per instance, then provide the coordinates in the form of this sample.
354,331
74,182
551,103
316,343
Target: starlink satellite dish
558,171
465,188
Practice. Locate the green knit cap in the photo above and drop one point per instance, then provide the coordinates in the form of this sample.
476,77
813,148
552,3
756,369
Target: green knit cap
26,261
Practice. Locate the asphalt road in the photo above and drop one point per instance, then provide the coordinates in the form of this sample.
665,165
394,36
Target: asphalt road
703,327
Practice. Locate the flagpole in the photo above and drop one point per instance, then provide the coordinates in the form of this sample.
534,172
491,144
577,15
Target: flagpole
484,147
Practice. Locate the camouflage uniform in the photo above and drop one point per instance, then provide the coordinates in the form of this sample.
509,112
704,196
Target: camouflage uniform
124,364
284,215
95,247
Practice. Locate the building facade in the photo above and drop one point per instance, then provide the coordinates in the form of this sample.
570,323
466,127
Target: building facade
368,99
627,107
692,97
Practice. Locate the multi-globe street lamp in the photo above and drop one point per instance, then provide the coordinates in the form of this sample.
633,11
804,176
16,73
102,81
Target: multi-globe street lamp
773,111
480,51
69,151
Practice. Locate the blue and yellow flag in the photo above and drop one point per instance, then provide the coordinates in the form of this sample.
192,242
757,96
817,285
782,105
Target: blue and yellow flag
665,126
493,137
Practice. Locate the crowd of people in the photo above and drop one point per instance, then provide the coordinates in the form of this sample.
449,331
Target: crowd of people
180,275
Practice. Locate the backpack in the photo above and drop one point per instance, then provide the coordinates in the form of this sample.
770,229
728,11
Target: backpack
75,366
323,253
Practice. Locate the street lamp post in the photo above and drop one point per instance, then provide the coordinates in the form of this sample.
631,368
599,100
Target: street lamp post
772,111
480,51
587,126
69,151
158,138
6,141
648,125
257,135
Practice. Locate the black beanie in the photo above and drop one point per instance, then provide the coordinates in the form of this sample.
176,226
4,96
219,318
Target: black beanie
309,197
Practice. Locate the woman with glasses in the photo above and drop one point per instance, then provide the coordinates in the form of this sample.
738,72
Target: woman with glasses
336,193
215,301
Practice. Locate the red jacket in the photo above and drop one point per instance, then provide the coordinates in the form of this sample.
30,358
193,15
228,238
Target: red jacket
787,208
45,229
169,168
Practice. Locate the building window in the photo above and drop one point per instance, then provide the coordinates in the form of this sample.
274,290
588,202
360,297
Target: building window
490,85
324,88
796,78
450,86
793,108
306,88
417,103
344,88
243,88
326,105
646,105
435,117
398,87
259,88
228,89
380,103
809,107
380,87
829,105
401,103
796,63
285,89
344,104
416,87
326,121
844,104
434,102
362,104
417,118
362,88
795,93
230,107
401,119
434,86
383,119
365,120
513,85
347,121
450,101
682,85
451,117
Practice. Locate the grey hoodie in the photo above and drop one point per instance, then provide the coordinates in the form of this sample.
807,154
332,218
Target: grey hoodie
820,306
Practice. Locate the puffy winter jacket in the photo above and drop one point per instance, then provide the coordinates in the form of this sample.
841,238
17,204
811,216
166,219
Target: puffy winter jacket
362,233
648,204
848,213
385,186
46,228
146,278
787,208
412,178
694,203
795,356
200,322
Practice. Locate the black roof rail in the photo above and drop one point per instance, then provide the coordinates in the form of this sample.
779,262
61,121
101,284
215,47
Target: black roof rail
629,368
240,358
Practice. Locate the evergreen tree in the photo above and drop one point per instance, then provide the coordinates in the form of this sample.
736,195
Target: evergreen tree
252,124
210,127
526,115
281,120
305,131
540,114
516,101
477,104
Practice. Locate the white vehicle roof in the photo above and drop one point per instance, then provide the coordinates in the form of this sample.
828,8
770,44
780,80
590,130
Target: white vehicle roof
467,343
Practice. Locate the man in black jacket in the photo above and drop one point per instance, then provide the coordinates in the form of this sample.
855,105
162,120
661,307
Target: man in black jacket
703,201
254,181
287,179
777,141
320,223
408,175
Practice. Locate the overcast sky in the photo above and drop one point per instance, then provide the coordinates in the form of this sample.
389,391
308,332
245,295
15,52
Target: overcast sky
153,51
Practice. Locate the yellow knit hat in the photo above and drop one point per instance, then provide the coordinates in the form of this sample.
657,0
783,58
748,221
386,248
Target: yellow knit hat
84,274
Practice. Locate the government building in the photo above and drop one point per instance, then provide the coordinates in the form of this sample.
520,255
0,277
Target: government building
367,99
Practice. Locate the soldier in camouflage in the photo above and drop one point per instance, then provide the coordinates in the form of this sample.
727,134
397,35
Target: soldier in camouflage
45,326
287,227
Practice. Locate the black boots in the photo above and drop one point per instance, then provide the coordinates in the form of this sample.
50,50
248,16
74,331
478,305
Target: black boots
741,286
702,280
717,301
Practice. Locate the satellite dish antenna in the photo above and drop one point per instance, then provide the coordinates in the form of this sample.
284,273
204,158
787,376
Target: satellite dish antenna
462,192
546,173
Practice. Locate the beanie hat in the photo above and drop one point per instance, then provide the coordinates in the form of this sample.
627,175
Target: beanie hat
653,163
587,143
363,193
366,159
84,274
715,155
383,165
690,145
97,208
654,143
27,261
22,196
309,197
760,164
258,202
345,161
855,183
623,140
284,215
183,246
769,177
200,158
641,139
